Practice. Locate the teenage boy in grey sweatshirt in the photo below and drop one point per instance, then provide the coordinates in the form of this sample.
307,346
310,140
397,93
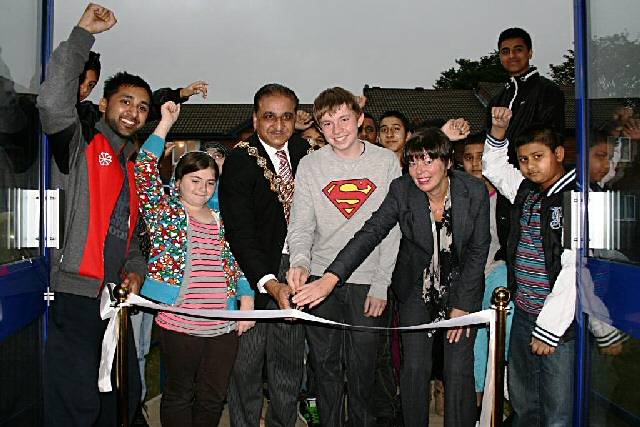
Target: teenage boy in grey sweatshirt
337,189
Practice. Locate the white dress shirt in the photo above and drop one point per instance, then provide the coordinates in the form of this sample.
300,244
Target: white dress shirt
276,164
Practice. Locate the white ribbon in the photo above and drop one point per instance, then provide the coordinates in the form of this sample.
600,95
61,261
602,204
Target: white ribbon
487,397
110,340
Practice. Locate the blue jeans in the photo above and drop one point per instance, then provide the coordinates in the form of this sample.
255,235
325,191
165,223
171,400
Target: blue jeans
540,387
142,323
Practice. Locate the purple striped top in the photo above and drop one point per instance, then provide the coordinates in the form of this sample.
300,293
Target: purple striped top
530,270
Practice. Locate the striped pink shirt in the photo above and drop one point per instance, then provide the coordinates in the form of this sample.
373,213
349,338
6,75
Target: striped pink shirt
207,286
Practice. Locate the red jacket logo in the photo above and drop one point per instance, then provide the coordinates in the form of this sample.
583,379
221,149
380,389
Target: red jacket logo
104,159
349,195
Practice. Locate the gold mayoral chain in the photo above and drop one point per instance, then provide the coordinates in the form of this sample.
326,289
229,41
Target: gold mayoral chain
275,182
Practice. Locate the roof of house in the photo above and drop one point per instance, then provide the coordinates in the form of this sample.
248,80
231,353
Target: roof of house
487,90
227,121
421,104
211,121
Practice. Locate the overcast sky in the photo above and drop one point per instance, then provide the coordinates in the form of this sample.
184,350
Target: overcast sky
238,45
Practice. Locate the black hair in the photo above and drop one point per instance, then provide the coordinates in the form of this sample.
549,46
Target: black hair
475,138
431,142
430,123
93,63
605,133
515,33
397,115
195,161
214,145
541,134
122,78
274,89
369,116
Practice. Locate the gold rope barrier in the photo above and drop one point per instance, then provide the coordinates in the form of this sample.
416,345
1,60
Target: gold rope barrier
122,367
500,299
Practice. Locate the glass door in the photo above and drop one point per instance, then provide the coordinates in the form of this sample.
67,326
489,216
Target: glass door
23,268
608,128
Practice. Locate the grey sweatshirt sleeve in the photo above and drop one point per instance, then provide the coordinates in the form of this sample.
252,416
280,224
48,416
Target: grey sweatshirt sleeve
59,91
388,249
302,224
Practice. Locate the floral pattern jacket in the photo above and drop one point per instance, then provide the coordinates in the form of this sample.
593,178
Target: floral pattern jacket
167,222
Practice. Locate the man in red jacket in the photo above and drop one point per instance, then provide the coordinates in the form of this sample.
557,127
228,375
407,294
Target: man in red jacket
101,212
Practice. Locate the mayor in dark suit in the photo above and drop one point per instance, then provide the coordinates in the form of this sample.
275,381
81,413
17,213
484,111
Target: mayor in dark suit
256,188
444,219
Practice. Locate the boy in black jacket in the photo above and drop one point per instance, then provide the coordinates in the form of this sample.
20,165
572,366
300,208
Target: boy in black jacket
541,273
530,97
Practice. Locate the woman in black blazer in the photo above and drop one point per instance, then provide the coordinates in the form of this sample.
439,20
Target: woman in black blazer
443,215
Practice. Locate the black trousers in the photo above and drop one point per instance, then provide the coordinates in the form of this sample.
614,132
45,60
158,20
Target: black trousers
385,387
415,372
332,349
72,358
278,345
198,370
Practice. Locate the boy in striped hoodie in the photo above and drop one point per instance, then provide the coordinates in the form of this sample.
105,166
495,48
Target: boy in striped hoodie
541,273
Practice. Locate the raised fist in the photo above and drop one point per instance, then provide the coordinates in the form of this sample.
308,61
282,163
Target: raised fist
97,19
500,117
456,129
304,120
170,112
632,128
362,101
199,86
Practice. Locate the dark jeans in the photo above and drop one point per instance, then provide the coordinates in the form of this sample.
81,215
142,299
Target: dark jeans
198,370
72,358
279,344
330,347
385,387
437,354
540,387
415,372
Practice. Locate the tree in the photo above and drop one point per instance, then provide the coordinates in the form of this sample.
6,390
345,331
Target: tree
564,74
613,67
469,73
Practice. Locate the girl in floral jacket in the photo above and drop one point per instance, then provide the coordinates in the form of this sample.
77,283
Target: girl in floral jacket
190,266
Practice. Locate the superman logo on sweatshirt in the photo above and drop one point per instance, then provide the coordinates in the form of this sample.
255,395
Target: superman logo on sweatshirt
349,195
